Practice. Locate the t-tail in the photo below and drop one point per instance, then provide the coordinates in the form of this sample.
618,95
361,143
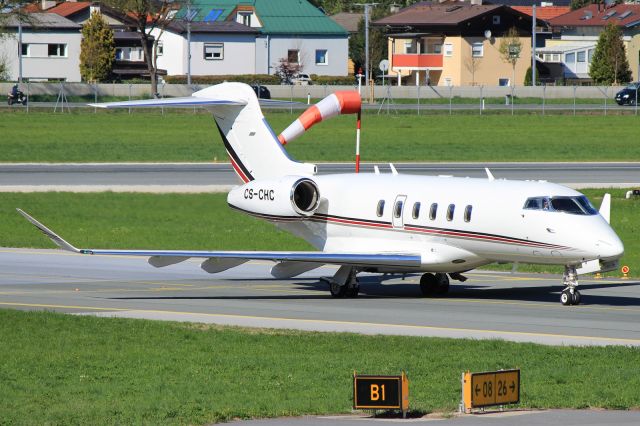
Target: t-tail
254,149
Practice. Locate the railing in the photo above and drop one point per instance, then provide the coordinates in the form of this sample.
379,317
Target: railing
421,60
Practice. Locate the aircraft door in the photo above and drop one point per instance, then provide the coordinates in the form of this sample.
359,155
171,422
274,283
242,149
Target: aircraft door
398,211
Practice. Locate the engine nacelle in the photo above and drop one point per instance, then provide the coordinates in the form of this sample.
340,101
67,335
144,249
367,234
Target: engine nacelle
286,196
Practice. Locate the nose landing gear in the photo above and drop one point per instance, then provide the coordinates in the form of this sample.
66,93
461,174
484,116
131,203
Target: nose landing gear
570,295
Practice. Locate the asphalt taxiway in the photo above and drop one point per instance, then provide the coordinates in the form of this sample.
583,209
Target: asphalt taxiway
515,307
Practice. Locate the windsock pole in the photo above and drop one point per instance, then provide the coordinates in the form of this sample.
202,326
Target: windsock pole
358,144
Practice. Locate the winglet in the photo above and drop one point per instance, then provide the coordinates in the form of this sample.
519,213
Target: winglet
489,174
605,207
52,235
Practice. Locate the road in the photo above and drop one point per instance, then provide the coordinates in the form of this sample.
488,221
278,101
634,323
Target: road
177,177
518,307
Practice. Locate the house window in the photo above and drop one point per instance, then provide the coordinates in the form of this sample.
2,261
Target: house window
160,49
293,56
213,51
25,49
321,57
437,48
448,49
503,82
58,50
246,18
570,58
477,50
555,57
582,56
496,19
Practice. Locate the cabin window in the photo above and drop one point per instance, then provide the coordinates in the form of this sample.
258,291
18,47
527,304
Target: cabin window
397,211
467,213
416,210
433,211
450,210
380,209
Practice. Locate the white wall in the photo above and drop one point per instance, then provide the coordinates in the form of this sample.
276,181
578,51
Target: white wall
269,50
238,58
39,65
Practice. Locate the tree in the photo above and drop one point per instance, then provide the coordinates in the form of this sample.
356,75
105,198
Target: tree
97,50
510,47
148,16
472,64
528,77
10,11
609,64
286,70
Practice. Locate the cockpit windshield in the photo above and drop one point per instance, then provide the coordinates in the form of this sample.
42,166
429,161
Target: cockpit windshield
573,205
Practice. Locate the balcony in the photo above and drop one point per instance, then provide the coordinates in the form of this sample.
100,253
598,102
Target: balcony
415,60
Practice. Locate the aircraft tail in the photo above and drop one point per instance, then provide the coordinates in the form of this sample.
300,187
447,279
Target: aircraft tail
254,149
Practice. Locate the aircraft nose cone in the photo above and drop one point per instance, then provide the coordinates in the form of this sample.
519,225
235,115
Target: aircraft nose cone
610,248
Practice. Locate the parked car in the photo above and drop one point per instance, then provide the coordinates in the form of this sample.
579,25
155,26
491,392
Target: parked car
629,95
261,91
301,79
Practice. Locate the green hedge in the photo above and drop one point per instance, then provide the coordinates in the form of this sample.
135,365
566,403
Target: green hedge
348,80
215,79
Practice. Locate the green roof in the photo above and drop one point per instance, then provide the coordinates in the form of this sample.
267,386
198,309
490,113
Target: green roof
277,16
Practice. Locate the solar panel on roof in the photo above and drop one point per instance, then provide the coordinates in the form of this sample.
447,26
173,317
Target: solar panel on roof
452,8
625,14
608,15
632,24
191,14
213,15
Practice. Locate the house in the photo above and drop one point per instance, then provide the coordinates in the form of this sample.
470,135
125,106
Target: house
350,22
457,44
130,60
50,48
575,35
217,48
293,31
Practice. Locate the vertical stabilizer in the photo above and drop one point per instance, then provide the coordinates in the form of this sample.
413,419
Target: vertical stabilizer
253,148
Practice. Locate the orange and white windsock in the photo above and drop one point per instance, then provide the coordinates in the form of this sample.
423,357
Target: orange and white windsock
344,102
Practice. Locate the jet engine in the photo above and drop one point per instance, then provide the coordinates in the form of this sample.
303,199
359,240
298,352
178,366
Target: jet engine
288,196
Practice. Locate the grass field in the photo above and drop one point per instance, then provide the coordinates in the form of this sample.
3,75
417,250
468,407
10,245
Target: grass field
64,369
185,136
203,221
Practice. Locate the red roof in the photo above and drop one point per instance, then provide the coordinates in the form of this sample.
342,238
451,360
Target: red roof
624,15
545,13
69,8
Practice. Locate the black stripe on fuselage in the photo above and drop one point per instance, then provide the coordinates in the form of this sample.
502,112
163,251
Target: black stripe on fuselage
233,154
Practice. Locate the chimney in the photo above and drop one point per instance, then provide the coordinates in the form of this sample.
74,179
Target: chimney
476,2
95,7
47,4
394,8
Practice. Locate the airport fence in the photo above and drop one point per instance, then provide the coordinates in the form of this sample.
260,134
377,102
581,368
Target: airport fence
61,97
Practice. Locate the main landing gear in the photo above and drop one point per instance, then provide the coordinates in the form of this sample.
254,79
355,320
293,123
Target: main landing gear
570,295
344,283
434,284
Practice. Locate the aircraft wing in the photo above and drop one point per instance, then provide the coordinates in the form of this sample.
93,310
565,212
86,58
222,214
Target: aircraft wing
218,261
188,101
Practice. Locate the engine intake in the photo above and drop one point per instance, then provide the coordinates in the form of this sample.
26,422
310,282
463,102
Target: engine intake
288,196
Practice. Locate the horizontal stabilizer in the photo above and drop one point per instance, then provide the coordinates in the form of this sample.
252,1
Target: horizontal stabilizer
189,101
57,240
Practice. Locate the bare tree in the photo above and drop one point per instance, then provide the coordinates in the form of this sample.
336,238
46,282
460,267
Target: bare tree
148,16
472,63
286,69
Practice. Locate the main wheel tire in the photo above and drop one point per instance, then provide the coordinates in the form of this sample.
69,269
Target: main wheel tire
428,285
566,298
443,284
352,291
575,298
337,290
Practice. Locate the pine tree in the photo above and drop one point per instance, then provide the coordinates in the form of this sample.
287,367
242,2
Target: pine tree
97,50
609,64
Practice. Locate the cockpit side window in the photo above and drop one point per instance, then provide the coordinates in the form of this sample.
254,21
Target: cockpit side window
573,205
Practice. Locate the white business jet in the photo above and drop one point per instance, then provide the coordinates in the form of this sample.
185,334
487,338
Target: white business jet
384,223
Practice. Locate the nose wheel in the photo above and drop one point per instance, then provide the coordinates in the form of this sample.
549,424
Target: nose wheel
570,295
